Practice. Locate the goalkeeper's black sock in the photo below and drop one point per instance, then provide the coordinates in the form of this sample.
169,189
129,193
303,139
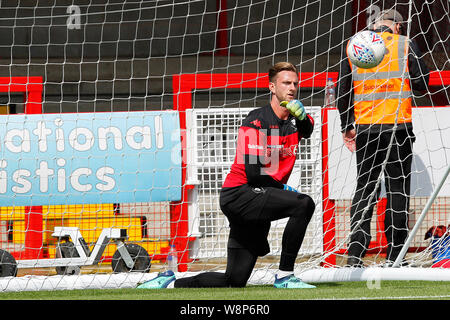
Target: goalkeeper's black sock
282,274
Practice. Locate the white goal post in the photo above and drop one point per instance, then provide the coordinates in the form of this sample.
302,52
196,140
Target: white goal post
211,150
211,136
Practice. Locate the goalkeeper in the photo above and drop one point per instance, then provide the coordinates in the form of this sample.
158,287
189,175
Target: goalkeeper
255,191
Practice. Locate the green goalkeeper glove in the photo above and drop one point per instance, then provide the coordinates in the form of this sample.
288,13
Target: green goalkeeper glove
296,108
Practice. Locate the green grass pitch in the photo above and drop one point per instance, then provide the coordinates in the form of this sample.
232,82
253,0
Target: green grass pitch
385,290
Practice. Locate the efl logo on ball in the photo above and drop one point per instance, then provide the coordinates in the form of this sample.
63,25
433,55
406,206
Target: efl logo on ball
366,49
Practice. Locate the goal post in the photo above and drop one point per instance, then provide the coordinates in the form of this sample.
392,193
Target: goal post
208,127
228,119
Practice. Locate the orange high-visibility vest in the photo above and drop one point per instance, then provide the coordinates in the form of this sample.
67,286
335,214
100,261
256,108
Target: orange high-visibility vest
378,92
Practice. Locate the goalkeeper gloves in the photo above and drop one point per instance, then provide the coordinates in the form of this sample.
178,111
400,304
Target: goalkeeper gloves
296,108
289,188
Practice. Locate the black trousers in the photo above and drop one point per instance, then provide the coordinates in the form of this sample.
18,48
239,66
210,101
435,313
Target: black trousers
371,151
250,211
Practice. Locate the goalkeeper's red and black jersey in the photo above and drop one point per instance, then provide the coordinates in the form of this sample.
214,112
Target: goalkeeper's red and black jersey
266,149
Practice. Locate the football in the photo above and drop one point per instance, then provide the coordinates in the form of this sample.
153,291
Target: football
366,49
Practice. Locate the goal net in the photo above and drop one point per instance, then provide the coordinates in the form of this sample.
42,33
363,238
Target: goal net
119,124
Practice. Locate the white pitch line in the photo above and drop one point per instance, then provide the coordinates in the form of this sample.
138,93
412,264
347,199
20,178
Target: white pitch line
391,298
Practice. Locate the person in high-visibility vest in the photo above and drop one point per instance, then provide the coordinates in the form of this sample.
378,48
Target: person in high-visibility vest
375,104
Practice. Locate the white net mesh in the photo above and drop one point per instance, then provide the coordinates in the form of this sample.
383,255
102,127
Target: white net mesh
207,60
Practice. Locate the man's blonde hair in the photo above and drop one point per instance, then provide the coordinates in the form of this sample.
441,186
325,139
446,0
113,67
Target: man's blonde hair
280,66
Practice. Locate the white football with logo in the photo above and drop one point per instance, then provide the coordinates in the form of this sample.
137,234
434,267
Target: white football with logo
366,49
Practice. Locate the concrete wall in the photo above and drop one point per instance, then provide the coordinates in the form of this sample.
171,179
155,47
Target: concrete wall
120,55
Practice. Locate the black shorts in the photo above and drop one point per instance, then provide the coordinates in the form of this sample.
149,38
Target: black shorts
242,206
250,211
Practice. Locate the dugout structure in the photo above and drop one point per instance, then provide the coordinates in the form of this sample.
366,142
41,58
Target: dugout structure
26,231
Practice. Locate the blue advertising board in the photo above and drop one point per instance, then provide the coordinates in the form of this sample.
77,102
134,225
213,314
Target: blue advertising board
83,158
